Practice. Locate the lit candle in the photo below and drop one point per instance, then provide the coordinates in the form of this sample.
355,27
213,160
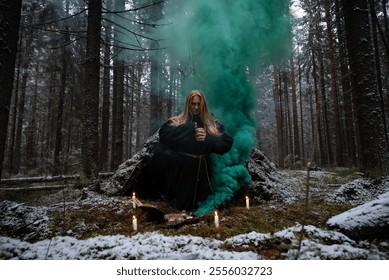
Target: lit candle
134,223
133,200
247,202
216,220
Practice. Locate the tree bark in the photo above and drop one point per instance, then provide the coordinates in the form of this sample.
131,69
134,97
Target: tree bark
132,109
90,122
374,156
316,125
296,138
138,72
19,123
386,27
10,13
338,160
118,88
106,94
278,112
287,119
378,69
11,146
118,151
59,122
302,155
349,131
31,130
155,76
155,98
324,133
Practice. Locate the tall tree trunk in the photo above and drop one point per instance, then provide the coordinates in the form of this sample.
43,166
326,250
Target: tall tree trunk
378,69
70,127
20,121
138,105
288,124
59,122
113,118
126,112
9,34
155,98
386,21
155,76
386,27
12,125
296,138
31,130
118,90
59,118
90,117
51,117
316,125
118,152
325,142
132,109
310,95
278,112
169,101
12,133
25,57
349,132
104,142
334,87
374,156
313,94
302,155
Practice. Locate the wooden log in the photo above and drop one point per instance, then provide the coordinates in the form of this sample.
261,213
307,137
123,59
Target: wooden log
46,179
36,188
31,180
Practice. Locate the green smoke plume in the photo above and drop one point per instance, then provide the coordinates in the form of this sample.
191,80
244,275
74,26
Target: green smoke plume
224,43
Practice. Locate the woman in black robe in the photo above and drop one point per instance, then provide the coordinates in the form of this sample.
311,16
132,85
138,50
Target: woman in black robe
181,168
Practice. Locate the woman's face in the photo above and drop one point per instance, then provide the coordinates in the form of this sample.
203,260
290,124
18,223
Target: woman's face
195,105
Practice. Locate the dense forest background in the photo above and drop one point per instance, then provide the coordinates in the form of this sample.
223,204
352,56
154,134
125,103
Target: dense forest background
84,84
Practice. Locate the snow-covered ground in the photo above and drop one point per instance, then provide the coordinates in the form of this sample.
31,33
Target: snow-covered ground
316,243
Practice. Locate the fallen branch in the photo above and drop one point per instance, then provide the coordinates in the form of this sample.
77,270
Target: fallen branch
35,188
47,179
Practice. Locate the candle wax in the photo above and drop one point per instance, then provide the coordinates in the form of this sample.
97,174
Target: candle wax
133,200
216,220
134,223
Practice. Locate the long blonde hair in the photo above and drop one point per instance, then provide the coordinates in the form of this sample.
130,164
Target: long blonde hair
210,124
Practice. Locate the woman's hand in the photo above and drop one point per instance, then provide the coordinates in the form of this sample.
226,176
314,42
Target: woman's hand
199,133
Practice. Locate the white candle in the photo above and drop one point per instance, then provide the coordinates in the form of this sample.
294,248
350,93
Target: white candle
247,202
133,200
216,220
134,223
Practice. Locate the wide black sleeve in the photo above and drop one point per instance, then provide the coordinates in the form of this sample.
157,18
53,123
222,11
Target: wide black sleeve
222,144
172,135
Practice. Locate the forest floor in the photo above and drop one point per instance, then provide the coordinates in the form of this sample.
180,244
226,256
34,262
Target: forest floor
83,214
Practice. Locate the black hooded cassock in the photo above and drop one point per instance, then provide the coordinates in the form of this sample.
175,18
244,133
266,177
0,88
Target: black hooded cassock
180,170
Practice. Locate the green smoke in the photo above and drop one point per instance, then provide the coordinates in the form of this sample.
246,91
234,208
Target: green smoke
221,44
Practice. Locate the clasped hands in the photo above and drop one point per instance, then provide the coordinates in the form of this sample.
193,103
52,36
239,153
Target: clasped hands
199,133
